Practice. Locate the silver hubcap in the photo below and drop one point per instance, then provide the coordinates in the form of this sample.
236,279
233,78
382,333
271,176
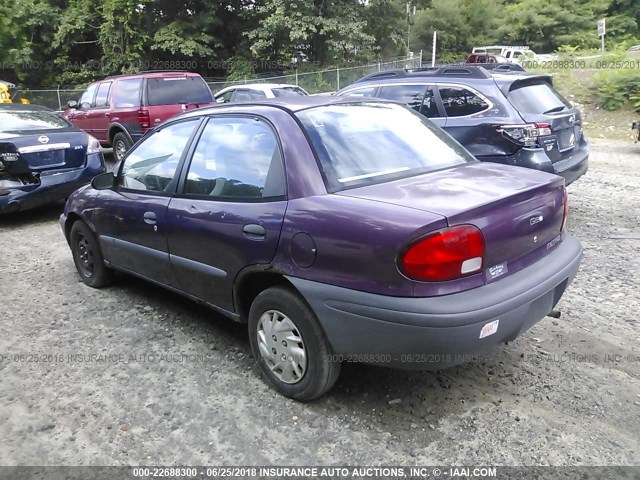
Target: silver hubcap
121,149
281,346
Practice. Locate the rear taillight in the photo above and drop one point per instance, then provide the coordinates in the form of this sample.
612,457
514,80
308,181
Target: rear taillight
526,135
447,254
565,208
143,118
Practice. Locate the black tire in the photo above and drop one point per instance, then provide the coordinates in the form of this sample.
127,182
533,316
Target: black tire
121,145
322,368
88,257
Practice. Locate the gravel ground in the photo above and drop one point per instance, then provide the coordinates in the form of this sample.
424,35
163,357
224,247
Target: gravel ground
181,386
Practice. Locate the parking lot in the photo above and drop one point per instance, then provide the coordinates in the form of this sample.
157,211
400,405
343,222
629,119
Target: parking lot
132,374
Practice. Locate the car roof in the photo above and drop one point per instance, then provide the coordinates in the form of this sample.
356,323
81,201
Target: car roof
152,74
458,73
265,85
23,107
290,104
257,86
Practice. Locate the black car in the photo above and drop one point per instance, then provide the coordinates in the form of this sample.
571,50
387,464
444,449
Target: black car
503,116
43,158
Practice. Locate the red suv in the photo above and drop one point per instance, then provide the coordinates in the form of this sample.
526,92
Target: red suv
485,58
119,110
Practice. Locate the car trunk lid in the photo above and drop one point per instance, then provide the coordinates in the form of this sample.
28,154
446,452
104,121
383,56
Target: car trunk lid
37,151
517,211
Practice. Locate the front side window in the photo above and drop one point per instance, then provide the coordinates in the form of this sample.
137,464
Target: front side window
236,159
363,143
289,92
258,94
411,95
102,97
127,93
152,164
362,92
460,102
225,97
86,100
242,95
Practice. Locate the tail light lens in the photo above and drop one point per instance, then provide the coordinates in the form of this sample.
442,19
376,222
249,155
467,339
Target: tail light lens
526,135
93,145
565,208
447,254
143,118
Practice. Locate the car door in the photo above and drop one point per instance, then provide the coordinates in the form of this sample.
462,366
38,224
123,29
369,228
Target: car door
98,115
419,97
229,208
80,116
469,118
134,236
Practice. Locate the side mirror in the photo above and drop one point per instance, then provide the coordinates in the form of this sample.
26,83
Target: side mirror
220,100
104,181
72,104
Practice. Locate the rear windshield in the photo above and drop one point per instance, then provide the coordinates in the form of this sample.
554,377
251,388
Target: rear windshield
34,120
536,97
365,143
174,90
288,92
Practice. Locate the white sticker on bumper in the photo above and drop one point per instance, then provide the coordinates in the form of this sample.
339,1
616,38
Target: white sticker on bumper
489,329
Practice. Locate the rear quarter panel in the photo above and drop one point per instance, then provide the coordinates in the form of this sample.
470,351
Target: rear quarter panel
357,241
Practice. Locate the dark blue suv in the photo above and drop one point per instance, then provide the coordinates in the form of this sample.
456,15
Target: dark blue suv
509,117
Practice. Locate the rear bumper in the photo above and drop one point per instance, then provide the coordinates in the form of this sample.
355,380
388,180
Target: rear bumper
54,186
571,167
432,333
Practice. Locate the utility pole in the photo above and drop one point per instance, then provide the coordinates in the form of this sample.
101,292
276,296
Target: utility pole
411,10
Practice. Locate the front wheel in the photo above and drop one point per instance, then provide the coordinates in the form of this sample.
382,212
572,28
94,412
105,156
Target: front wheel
290,346
121,144
88,257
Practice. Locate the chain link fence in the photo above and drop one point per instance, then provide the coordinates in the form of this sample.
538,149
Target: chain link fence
320,81
323,81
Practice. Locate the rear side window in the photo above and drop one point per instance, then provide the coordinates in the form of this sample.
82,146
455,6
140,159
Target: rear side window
460,102
174,90
127,93
236,159
536,97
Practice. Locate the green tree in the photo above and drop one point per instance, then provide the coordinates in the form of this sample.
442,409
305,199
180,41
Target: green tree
544,25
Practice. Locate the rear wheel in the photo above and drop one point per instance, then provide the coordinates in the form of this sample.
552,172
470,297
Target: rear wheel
88,257
290,346
121,144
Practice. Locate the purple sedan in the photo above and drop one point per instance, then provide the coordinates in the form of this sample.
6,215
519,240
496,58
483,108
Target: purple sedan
337,229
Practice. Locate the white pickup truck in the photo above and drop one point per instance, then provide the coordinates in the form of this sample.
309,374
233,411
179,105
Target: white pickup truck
514,53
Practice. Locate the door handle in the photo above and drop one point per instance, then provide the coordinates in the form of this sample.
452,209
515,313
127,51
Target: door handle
107,114
150,218
253,231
